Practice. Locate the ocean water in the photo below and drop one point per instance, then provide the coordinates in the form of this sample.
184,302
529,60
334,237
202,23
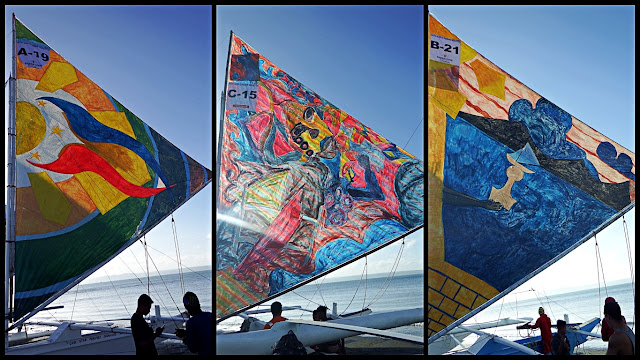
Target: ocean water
118,300
580,306
403,292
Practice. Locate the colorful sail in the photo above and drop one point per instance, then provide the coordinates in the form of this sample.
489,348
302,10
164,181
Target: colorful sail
304,187
513,179
91,177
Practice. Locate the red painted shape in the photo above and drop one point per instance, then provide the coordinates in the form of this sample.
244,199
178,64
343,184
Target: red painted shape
281,146
75,159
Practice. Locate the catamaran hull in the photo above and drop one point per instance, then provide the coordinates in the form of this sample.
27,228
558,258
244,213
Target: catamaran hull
489,344
68,339
92,344
446,343
262,341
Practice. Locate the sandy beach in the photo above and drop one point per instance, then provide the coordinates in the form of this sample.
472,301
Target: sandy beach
365,345
589,351
173,347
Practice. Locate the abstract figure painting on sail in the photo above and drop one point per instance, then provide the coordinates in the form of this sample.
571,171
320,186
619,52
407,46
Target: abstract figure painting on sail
518,195
304,186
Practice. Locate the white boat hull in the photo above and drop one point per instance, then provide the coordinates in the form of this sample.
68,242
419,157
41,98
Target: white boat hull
262,341
91,344
68,339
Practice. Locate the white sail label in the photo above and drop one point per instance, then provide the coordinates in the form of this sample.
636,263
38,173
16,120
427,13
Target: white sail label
242,96
445,50
32,55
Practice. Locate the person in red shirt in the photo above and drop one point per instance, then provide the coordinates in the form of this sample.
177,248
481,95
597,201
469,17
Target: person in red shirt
544,323
606,329
276,310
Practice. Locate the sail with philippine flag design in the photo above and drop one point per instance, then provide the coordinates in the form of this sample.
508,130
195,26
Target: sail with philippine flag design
91,178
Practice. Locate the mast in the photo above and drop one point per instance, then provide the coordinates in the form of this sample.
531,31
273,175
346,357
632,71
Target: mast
222,110
221,131
10,236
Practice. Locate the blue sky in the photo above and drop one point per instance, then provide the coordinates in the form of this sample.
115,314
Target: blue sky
157,61
366,60
582,58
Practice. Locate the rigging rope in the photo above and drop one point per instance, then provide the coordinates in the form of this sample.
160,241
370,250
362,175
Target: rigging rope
631,267
104,318
116,290
184,266
131,271
387,282
354,294
549,304
169,292
366,278
175,241
389,278
604,280
309,301
600,268
146,257
499,313
74,302
414,131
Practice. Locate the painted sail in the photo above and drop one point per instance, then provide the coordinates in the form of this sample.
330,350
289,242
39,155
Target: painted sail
304,187
91,177
514,180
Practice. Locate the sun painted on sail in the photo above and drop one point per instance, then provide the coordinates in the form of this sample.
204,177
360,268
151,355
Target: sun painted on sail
90,175
304,186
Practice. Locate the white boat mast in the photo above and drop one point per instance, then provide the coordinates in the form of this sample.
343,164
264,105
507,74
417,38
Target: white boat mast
10,237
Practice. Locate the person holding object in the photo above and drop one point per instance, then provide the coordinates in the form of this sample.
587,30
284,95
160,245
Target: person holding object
544,323
198,335
143,335
560,344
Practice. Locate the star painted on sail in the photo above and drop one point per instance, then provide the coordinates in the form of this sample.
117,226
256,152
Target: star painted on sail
41,103
35,155
56,130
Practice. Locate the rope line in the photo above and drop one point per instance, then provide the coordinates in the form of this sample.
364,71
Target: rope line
175,241
631,267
